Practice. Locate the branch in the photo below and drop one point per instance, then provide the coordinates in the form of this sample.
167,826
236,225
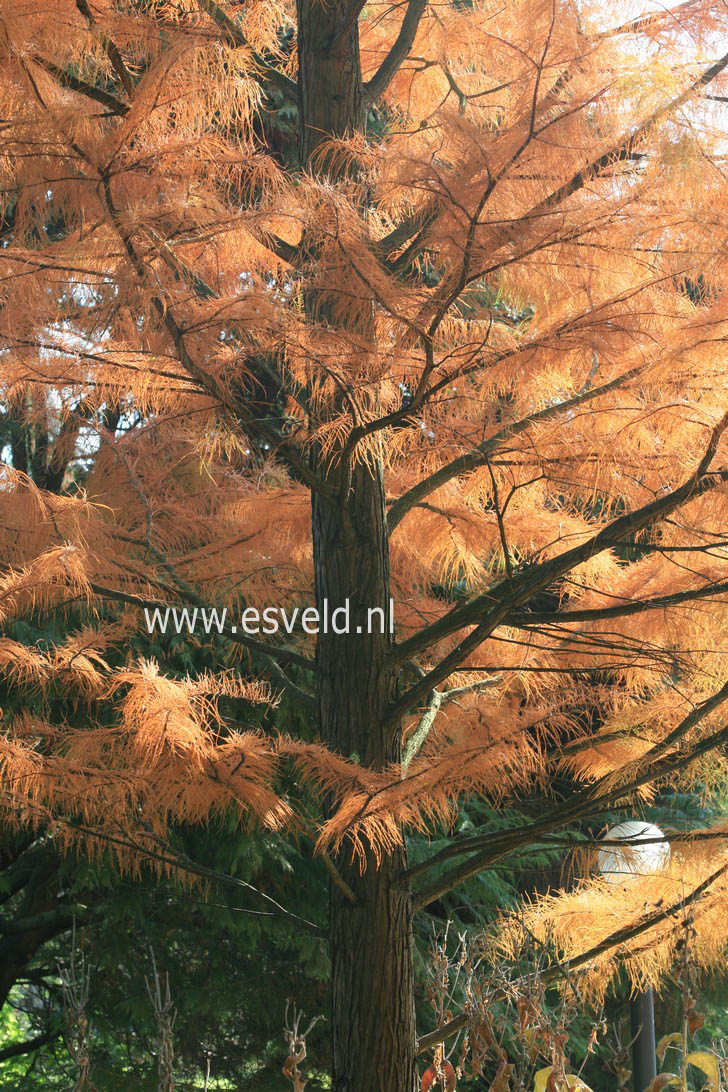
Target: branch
418,738
614,940
499,514
255,425
302,696
111,51
480,455
524,619
236,38
644,22
624,149
235,407
15,1050
491,609
182,272
183,863
73,83
687,836
58,919
337,879
477,842
413,228
588,802
438,698
391,64
422,393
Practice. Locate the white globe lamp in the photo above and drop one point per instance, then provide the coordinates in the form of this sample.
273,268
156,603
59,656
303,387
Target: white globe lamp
645,852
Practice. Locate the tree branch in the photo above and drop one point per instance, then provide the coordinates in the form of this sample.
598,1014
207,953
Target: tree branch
73,83
524,619
439,698
471,460
16,1050
391,64
235,407
111,51
614,940
59,919
554,819
236,38
589,802
414,228
491,609
337,879
625,148
644,22
183,863
301,696
418,738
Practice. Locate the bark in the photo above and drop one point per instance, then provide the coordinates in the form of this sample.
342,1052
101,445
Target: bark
372,1017
45,921
373,1024
330,91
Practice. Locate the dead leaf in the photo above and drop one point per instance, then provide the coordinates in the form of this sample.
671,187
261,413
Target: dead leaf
502,1082
674,1039
547,1082
708,1064
695,1020
431,1078
664,1080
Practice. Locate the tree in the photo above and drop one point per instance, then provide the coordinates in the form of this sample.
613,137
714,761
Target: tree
231,972
47,895
444,349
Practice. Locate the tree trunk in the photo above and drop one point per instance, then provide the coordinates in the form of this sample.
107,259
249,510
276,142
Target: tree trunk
330,94
39,906
373,1018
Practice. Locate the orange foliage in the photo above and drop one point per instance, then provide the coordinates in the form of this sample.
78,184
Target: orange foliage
521,308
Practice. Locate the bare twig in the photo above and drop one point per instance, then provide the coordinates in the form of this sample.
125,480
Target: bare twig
164,1015
296,1043
437,699
75,985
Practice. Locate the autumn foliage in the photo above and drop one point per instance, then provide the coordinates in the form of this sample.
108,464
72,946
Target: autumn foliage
497,298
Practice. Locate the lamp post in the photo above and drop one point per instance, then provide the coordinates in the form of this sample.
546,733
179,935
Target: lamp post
620,865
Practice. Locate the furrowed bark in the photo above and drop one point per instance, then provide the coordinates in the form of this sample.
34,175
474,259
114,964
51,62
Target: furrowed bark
330,91
372,1017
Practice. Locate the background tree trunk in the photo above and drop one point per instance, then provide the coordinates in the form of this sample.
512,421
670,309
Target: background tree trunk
373,1018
